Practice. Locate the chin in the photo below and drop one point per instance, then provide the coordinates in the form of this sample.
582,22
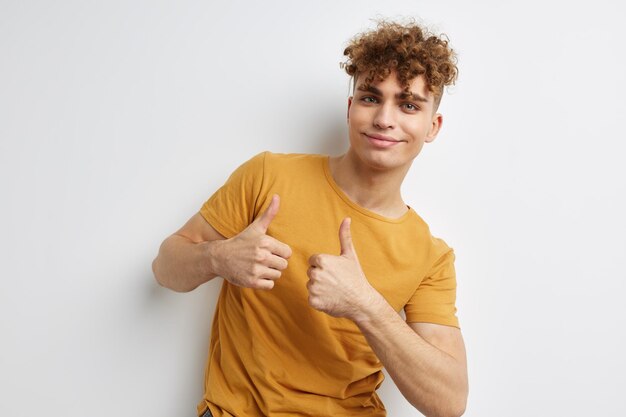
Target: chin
381,161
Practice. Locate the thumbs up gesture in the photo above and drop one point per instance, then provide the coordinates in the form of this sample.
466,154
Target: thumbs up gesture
253,259
337,284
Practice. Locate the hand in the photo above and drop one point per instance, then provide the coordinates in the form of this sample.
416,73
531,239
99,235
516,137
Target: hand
253,259
337,284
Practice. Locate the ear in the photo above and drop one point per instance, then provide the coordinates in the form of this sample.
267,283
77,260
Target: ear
348,112
435,126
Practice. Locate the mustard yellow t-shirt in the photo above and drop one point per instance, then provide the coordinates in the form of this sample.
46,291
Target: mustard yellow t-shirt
271,354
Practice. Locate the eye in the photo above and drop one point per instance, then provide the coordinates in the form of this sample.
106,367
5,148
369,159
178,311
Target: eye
410,107
369,99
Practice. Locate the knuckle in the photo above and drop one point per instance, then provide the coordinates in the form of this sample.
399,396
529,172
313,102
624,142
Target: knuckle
313,288
259,256
313,259
315,302
256,270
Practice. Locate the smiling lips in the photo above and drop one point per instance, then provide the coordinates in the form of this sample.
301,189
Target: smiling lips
381,141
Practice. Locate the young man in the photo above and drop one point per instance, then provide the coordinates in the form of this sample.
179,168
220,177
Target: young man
319,254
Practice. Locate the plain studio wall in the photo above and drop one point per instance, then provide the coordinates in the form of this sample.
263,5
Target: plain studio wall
119,119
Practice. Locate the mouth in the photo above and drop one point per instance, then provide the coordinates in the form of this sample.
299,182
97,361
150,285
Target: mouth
381,141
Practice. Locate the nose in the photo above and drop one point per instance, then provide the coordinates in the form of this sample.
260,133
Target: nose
383,119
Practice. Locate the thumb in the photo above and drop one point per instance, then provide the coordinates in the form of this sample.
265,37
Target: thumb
264,220
345,238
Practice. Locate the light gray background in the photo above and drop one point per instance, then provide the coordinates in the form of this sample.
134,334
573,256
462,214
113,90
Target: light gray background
118,119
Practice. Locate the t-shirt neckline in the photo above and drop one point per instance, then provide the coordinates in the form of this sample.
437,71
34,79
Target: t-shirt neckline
355,206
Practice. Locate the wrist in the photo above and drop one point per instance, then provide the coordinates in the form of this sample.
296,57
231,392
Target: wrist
372,308
212,252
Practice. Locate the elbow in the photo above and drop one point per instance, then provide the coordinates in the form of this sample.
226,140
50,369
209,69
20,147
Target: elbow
458,399
451,411
155,271
458,411
160,278
159,270
456,408
158,275
450,407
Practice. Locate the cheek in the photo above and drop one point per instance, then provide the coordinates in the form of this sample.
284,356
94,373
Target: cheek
352,115
353,124
356,119
417,128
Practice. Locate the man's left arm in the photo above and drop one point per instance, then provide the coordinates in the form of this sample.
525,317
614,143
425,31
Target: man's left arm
426,361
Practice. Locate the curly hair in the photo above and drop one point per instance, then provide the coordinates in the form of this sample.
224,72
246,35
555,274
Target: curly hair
409,49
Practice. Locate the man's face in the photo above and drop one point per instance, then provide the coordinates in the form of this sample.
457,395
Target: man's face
387,128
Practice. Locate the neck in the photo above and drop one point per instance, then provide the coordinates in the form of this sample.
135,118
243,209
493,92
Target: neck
375,190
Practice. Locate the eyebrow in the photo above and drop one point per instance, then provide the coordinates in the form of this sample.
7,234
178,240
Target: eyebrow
403,96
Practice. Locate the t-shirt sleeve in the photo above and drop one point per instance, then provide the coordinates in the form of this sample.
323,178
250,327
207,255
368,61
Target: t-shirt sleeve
234,205
435,298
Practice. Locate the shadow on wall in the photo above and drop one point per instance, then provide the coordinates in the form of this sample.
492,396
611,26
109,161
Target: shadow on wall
182,323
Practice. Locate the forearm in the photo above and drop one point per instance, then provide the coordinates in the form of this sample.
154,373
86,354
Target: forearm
433,381
183,265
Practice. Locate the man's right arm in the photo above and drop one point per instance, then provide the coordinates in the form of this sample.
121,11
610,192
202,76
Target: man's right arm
197,253
187,258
